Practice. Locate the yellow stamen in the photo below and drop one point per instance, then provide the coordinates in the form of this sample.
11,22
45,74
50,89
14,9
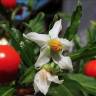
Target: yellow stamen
55,45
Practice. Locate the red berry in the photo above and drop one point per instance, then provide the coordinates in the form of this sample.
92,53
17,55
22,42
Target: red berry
8,3
9,63
90,68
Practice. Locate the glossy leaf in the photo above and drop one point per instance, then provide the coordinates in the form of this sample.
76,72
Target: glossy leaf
60,90
88,83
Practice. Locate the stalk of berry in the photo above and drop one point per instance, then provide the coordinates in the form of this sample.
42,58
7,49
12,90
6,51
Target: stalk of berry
9,62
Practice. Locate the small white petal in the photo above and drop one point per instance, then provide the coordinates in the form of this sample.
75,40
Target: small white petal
68,45
56,29
55,79
35,87
40,39
64,62
41,81
43,58
3,41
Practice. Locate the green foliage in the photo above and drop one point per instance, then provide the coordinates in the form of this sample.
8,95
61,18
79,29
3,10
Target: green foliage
83,53
92,34
75,22
77,42
86,82
75,84
6,90
60,90
9,92
28,76
30,3
36,24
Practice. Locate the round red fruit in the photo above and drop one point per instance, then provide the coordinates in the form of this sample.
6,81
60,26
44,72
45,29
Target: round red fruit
9,63
8,3
90,68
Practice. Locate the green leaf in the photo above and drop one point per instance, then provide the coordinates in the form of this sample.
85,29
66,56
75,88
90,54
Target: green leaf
75,22
37,24
88,83
59,90
62,15
9,92
4,89
28,76
92,34
83,53
58,16
15,12
27,52
74,87
77,42
25,48
30,3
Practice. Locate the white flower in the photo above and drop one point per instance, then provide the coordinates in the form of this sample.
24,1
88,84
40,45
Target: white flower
55,44
43,80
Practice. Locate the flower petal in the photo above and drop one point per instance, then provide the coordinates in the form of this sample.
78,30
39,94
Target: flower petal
41,82
54,78
56,29
35,87
40,39
64,62
3,41
44,57
68,45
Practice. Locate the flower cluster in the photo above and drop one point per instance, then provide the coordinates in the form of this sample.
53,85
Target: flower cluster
52,48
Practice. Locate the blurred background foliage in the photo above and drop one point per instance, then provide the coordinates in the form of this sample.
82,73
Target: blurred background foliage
39,16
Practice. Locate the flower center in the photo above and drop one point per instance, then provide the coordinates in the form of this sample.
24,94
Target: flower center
55,45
